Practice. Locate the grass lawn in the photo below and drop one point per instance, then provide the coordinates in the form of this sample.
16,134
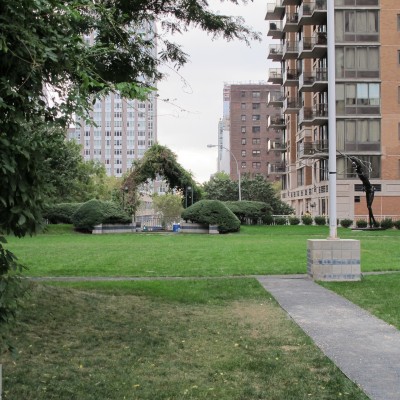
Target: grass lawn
225,339
254,250
379,294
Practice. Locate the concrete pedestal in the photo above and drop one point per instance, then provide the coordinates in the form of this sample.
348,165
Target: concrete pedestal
333,259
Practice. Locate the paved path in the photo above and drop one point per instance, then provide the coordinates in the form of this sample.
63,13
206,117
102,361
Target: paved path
364,347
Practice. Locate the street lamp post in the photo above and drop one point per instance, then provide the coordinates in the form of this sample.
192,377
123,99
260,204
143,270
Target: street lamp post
237,166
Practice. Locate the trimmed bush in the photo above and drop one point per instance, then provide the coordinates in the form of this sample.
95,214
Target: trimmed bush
267,219
320,220
294,220
212,212
307,219
60,213
280,221
249,210
361,223
387,223
346,223
95,212
396,224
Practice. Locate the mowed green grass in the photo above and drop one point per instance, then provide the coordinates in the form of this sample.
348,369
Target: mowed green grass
254,250
379,294
224,339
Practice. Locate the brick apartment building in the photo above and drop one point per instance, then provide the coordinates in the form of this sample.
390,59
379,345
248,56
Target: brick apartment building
367,69
244,131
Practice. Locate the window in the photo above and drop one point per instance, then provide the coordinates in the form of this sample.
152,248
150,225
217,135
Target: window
256,95
398,22
243,141
243,118
243,153
256,129
256,165
242,93
243,129
256,117
256,153
243,165
243,106
255,106
256,141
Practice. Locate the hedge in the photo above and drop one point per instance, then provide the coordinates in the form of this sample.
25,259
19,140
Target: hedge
95,212
212,212
245,210
60,213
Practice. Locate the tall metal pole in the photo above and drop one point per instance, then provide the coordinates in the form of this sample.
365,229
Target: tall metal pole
331,118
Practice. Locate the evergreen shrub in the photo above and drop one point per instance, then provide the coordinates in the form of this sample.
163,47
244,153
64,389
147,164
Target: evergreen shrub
294,220
60,213
320,220
280,221
387,223
396,224
95,212
212,212
361,223
307,219
249,210
346,223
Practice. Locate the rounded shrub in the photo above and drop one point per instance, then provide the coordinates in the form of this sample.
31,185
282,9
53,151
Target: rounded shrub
212,212
320,220
267,220
95,212
346,223
60,213
249,211
280,221
361,223
387,223
307,219
396,224
294,220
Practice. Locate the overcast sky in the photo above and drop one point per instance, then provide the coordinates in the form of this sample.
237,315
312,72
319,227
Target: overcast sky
189,120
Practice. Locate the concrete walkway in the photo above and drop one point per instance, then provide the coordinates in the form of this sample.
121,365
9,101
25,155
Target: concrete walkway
364,347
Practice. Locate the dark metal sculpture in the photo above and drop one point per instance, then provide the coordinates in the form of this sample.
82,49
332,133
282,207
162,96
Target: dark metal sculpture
368,189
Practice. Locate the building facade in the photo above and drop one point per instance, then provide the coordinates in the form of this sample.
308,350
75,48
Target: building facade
367,77
253,146
123,129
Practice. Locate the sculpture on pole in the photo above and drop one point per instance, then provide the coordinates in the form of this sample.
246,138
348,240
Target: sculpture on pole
368,189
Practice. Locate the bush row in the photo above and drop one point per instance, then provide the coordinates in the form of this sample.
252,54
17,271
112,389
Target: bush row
85,216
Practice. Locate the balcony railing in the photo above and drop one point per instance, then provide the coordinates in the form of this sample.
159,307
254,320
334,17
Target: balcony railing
316,115
275,52
290,50
316,149
275,75
276,122
291,77
314,46
290,22
313,12
275,99
276,146
314,81
291,105
279,168
276,30
291,2
275,10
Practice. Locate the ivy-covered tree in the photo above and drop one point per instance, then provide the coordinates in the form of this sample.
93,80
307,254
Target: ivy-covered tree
158,161
48,73
169,205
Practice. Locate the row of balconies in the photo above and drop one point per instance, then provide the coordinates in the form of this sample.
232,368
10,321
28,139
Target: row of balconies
313,81
310,13
306,48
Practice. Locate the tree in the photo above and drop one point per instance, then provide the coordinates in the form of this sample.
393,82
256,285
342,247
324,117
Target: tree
49,73
221,187
169,206
158,161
